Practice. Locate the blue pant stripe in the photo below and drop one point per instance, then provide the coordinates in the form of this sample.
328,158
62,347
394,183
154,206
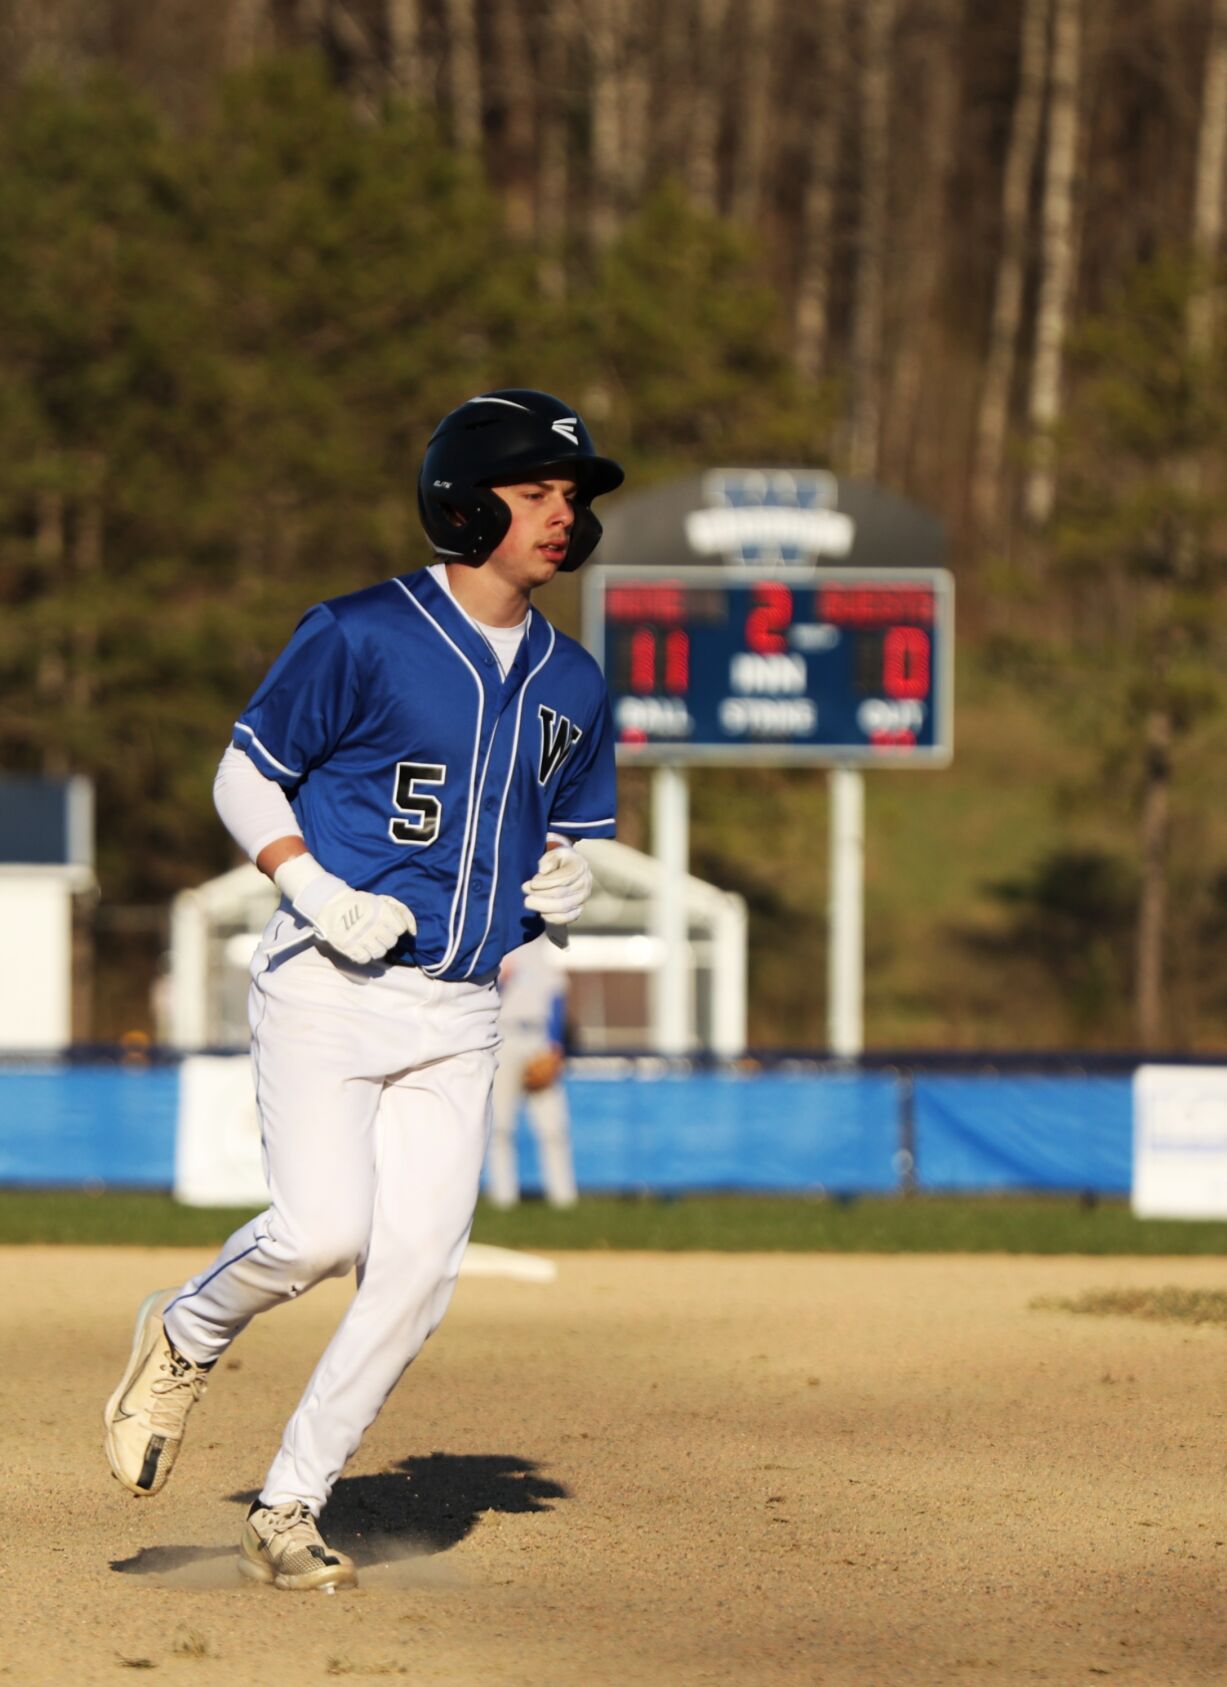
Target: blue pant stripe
224,1266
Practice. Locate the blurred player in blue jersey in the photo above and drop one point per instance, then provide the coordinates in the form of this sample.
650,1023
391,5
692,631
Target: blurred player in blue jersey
415,774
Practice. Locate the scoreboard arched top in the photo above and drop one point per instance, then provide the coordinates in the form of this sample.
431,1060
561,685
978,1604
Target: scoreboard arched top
764,516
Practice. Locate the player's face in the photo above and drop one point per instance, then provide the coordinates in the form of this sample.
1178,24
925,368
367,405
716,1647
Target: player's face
542,515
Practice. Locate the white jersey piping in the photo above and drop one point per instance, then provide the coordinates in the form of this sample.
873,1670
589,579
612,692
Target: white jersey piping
242,726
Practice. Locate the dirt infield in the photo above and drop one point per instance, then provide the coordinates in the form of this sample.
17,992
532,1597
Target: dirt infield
675,1469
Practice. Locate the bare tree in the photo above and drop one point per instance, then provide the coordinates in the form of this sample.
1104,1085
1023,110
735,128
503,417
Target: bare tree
552,148
877,25
993,416
51,673
921,278
464,74
516,95
1057,262
1207,232
37,39
404,29
246,23
638,45
87,552
703,160
605,19
755,109
672,86
816,254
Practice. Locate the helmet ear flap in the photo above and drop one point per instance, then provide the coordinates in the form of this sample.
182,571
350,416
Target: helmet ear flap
464,524
586,533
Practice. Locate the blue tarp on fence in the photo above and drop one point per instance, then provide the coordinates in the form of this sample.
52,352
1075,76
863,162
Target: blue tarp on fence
836,1131
76,1125
647,1129
987,1132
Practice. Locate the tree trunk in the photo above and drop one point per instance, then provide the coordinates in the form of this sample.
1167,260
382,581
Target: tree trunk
875,81
552,150
86,569
639,45
245,22
51,673
921,283
1208,188
673,75
463,74
605,31
1152,903
993,417
812,314
516,94
703,165
404,27
310,22
752,130
1057,258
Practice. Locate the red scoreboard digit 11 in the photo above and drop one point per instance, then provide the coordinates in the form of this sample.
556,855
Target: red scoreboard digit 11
834,666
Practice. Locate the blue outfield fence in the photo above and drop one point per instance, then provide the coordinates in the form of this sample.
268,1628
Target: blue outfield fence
1034,1132
78,1125
710,1130
650,1125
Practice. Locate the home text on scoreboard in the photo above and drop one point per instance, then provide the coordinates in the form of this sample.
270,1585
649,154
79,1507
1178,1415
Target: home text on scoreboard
833,666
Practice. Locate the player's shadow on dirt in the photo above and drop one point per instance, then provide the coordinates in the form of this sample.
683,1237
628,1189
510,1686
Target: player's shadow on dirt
426,1505
431,1503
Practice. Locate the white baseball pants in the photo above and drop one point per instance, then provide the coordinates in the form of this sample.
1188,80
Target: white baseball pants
373,1089
547,1113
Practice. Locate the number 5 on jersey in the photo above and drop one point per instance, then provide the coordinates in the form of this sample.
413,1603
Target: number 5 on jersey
423,812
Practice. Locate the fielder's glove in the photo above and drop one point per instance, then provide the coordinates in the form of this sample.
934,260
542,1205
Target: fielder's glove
356,923
560,886
541,1071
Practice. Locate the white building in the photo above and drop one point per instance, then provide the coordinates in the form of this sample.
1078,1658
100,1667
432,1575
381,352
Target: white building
46,859
613,959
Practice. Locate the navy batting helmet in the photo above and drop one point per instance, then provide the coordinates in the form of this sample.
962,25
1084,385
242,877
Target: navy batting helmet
501,437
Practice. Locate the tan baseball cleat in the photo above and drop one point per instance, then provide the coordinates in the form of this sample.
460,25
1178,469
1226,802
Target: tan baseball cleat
146,1415
281,1544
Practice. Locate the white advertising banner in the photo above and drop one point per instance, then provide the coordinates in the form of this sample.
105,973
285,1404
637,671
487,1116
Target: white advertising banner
219,1161
1180,1142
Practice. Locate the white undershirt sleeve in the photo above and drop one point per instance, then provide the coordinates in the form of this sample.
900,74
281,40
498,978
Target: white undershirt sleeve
253,809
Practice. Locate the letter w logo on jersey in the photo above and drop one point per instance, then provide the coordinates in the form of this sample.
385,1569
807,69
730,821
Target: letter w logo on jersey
558,739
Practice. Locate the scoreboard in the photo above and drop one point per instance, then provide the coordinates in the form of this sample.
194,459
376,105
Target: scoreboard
832,666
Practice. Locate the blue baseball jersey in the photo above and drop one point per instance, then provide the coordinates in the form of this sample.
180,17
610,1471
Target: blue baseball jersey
415,769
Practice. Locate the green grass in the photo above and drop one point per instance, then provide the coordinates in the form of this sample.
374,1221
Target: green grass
722,1223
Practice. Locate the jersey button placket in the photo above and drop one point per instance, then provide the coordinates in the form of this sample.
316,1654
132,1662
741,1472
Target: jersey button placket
490,804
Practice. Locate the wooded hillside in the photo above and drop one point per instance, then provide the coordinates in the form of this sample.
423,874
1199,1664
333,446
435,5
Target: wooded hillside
250,252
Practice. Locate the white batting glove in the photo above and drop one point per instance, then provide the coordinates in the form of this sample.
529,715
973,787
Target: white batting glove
560,886
356,923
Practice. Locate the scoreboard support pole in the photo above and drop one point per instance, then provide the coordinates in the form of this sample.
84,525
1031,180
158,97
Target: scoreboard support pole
670,925
846,913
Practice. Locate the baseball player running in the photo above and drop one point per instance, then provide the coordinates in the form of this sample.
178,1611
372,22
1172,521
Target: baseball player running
415,774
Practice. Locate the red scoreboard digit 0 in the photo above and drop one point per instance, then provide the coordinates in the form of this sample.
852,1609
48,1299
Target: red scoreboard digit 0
834,666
